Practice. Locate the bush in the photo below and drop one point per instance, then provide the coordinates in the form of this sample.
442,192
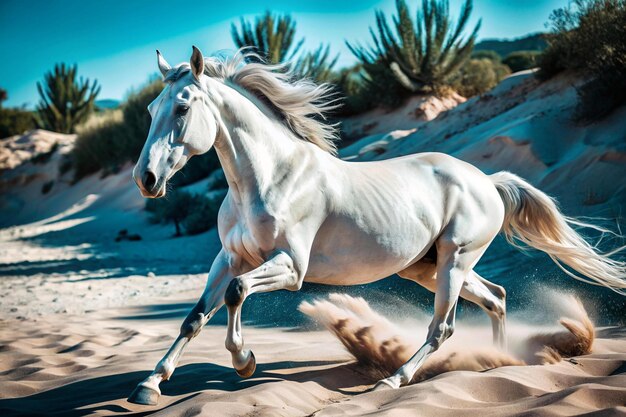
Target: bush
521,60
479,76
197,168
102,144
419,56
137,119
110,139
189,212
66,100
487,54
15,121
590,38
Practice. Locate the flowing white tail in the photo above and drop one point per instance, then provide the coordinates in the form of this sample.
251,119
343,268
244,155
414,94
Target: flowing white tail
533,218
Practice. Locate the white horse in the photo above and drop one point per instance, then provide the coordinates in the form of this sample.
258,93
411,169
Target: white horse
294,212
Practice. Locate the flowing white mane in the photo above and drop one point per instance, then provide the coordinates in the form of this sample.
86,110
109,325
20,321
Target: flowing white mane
301,103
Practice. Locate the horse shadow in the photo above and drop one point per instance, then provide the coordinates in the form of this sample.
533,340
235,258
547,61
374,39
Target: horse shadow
108,393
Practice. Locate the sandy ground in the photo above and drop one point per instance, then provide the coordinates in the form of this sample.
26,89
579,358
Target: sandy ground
87,364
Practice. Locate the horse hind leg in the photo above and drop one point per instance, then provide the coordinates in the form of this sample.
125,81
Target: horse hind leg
453,265
492,299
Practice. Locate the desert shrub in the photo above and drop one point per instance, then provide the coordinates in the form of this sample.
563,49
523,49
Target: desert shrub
204,216
197,168
316,65
487,54
15,121
417,56
521,60
479,76
101,144
110,139
191,213
137,119
590,37
66,100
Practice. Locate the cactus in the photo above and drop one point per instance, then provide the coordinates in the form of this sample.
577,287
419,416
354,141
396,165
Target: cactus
316,65
65,101
271,38
422,55
3,96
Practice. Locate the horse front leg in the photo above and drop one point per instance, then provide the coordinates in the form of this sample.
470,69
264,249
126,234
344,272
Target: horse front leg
278,273
148,392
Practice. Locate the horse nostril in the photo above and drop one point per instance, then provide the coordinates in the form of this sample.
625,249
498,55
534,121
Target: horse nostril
149,180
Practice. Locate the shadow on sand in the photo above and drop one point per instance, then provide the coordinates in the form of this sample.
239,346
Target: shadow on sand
108,393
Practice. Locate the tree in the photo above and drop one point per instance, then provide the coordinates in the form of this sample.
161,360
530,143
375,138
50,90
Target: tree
589,37
3,96
521,60
420,56
65,100
272,37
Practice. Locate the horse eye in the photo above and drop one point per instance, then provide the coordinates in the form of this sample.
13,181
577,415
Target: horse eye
182,110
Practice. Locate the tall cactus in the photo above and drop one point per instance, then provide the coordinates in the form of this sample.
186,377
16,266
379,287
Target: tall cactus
272,37
65,100
420,55
3,96
317,65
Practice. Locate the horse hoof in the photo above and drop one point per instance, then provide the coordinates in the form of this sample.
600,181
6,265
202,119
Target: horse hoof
249,369
383,385
144,395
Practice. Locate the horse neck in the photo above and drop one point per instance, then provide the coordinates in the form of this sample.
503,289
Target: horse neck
251,146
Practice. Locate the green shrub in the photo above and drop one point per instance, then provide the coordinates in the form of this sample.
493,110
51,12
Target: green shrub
316,65
204,216
271,37
66,101
15,121
590,38
197,168
479,76
521,60
137,119
192,213
419,56
487,54
110,139
102,144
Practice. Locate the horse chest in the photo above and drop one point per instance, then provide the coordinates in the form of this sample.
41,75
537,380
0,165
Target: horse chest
253,235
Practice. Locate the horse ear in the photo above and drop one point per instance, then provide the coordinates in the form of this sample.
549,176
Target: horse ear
164,67
197,63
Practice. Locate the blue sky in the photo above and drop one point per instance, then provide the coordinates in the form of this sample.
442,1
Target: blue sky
114,41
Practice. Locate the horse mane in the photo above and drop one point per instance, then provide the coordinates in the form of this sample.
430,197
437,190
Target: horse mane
300,103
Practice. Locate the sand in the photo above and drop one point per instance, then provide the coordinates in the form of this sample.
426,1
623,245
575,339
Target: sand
84,318
87,364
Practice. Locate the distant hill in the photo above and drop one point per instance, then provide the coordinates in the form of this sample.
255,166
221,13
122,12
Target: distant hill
107,103
503,47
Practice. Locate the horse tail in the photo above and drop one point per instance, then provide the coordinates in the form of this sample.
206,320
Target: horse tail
532,218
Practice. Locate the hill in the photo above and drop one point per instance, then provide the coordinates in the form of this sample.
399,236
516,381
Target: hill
534,42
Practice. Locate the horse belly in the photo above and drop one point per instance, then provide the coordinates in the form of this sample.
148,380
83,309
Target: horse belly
346,254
